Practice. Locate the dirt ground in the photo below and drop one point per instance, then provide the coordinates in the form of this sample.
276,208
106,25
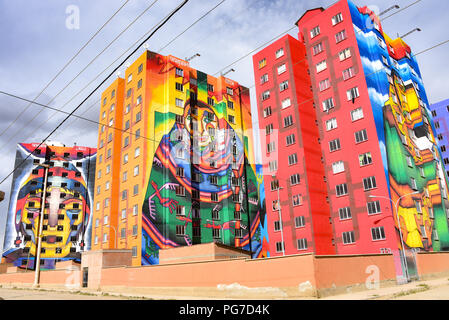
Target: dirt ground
434,289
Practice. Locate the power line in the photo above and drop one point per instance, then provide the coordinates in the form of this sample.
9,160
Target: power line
171,41
65,66
84,69
160,25
185,30
236,61
147,138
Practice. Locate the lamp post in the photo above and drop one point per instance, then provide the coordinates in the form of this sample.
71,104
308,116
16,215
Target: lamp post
37,270
408,33
395,204
280,217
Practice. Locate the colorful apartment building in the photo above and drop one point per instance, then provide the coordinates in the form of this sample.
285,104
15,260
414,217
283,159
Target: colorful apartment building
58,182
440,114
375,133
175,162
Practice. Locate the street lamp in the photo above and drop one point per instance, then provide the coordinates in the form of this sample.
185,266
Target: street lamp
395,204
410,32
389,9
280,217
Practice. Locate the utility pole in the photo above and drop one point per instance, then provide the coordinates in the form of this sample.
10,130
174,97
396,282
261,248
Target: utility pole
39,234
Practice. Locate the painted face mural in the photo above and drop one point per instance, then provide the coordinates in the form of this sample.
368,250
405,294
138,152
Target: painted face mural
410,152
201,188
66,211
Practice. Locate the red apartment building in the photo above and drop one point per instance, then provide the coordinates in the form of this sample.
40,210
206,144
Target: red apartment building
292,166
331,212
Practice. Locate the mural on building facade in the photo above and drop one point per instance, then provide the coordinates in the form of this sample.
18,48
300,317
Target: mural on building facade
67,209
406,134
203,184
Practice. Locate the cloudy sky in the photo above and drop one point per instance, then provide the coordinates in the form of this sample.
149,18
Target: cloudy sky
39,37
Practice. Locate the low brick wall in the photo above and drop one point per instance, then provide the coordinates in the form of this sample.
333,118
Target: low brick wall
276,277
432,264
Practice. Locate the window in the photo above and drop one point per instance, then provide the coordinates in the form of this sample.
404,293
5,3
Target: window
339,37
345,213
180,210
369,183
334,145
231,105
125,144
297,200
267,112
180,230
344,54
365,159
135,209
373,207
348,237
271,147
418,206
317,48
136,170
413,184
269,129
281,69
378,233
320,66
139,100
302,244
214,197
348,73
325,84
279,247
288,121
283,85
231,119
314,32
181,191
264,78
328,104
273,165
139,84
128,93
140,68
292,159
294,179
179,102
179,86
265,95
337,19
210,87
338,167
341,189
216,233
300,221
290,139
361,136
262,63
210,101
331,124
279,53
286,103
352,93
138,116
124,194
357,114
274,185
130,77
179,72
